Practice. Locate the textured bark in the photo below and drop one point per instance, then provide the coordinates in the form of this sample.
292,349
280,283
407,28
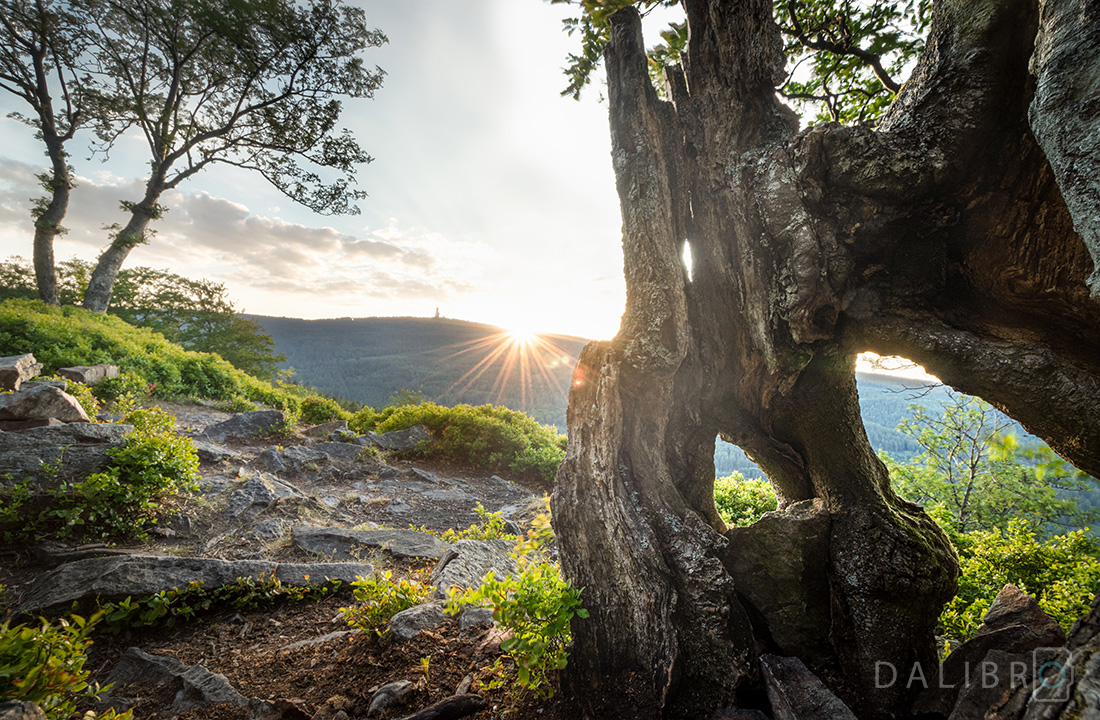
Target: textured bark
97,296
48,225
943,236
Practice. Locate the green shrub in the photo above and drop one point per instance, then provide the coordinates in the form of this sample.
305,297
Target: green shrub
111,390
153,465
236,404
316,410
67,336
742,502
381,597
490,526
45,665
1062,573
489,437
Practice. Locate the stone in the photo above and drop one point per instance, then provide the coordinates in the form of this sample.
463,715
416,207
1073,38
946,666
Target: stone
17,369
408,623
257,494
345,544
211,452
296,458
76,450
113,578
426,475
88,374
472,616
389,472
400,440
398,506
467,562
20,710
271,529
17,425
42,403
796,693
1013,624
331,501
59,384
195,686
388,696
786,593
280,709
258,422
326,429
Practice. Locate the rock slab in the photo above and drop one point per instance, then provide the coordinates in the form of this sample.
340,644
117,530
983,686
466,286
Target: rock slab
42,403
17,369
796,693
194,685
467,562
88,374
76,450
345,544
246,424
111,579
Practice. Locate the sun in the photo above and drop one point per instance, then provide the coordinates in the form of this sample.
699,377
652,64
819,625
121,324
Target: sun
522,337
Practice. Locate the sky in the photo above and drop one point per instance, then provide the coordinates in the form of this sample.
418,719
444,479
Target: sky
491,197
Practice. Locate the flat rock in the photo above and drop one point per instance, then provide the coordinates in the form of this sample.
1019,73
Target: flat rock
76,449
211,452
258,493
797,694
344,544
88,374
17,425
407,624
194,685
398,506
399,440
447,495
467,562
114,578
258,422
42,403
270,529
17,369
326,429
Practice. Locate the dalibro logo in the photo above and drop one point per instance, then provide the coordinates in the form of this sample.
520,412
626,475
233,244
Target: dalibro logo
1053,669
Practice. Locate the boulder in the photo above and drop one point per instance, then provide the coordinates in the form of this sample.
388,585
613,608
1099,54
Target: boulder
194,686
1013,624
258,422
387,696
796,693
88,374
326,429
76,450
791,596
20,710
211,452
17,425
114,578
407,624
467,562
473,616
296,458
59,384
345,544
17,369
42,403
258,493
399,440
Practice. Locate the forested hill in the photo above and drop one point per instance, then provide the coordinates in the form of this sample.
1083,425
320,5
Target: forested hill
454,361
449,361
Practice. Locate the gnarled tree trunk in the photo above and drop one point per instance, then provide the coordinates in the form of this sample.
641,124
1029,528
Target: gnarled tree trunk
941,236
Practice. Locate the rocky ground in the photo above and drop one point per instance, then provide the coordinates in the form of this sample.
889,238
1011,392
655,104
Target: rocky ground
296,505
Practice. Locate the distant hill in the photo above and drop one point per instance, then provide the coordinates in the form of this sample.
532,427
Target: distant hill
454,361
449,361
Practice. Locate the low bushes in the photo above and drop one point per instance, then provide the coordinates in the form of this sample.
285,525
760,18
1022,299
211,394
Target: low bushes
742,502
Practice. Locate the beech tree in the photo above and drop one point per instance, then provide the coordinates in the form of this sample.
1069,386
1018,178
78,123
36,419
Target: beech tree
40,46
254,85
961,232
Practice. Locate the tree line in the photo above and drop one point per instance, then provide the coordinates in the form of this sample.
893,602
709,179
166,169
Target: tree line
255,85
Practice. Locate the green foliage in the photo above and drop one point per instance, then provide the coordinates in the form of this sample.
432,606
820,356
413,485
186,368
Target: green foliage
67,336
316,410
236,404
1061,572
145,473
380,597
536,604
45,665
491,526
844,58
246,594
125,384
975,478
493,438
195,314
742,502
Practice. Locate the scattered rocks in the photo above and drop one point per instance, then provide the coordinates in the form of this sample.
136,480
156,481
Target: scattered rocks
258,422
76,450
294,459
407,624
797,694
345,544
468,561
88,374
257,494
42,403
399,440
17,369
194,686
114,578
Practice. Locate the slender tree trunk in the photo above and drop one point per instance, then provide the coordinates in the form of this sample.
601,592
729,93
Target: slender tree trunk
97,297
47,225
942,237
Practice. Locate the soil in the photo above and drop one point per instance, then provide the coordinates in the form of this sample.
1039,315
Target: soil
250,648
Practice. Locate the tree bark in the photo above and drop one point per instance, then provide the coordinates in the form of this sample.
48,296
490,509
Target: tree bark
943,236
97,297
47,226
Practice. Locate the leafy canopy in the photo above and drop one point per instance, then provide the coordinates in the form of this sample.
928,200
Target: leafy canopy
844,58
